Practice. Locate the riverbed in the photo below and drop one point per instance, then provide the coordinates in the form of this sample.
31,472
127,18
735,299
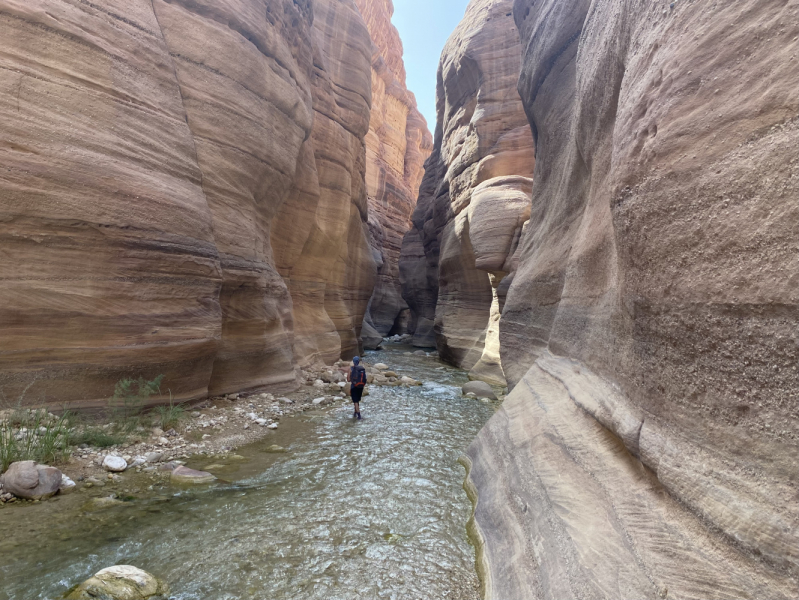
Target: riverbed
367,509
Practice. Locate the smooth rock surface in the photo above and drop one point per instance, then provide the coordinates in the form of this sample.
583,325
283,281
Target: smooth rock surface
185,475
475,196
32,481
648,446
397,144
114,464
183,193
480,389
121,582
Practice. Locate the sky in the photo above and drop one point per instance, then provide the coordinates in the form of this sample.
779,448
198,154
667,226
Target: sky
424,26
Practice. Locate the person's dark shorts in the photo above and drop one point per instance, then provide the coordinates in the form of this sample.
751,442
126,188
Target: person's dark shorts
357,392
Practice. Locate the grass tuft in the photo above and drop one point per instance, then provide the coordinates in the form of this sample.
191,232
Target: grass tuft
35,435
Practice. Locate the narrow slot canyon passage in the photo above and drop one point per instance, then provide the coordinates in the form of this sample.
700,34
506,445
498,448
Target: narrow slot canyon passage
554,244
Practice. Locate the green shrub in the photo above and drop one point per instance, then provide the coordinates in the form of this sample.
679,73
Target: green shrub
36,436
170,416
131,394
96,437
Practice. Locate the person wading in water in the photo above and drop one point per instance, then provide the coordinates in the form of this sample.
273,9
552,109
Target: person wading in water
357,379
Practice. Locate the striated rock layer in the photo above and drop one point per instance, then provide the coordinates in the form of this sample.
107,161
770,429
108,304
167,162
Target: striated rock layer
182,193
649,446
397,145
475,196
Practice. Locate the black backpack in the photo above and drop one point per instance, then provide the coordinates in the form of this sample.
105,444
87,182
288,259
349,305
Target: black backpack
358,376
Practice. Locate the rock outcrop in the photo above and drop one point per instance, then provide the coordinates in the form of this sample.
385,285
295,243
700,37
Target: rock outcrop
397,145
475,196
648,448
182,193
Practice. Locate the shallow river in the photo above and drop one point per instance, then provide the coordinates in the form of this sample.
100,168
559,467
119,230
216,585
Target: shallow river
355,510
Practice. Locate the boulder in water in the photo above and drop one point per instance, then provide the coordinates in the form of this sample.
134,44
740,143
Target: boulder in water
121,582
185,475
29,480
480,389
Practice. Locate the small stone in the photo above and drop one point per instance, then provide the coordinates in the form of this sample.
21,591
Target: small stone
67,485
115,464
381,366
318,401
154,457
272,426
480,389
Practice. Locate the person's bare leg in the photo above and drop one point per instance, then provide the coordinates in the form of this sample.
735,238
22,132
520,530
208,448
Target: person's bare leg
357,406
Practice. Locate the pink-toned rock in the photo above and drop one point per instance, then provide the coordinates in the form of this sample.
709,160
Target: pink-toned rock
182,193
648,447
32,481
397,145
453,262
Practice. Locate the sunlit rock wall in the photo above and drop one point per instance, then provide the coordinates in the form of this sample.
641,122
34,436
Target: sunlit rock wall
322,249
649,446
475,197
397,145
164,163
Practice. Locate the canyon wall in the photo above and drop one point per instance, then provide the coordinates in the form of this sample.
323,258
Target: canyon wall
397,145
182,193
648,448
475,196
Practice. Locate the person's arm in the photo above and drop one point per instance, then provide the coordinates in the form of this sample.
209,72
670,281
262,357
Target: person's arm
349,375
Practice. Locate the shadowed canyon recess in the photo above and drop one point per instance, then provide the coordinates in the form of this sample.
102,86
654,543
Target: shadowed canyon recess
604,221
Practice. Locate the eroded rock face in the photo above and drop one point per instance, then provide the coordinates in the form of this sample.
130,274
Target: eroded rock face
321,235
453,264
397,145
650,331
182,194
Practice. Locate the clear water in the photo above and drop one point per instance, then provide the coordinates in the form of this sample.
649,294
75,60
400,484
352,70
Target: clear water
356,510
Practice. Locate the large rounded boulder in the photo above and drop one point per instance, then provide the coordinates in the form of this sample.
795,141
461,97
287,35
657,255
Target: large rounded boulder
32,481
121,582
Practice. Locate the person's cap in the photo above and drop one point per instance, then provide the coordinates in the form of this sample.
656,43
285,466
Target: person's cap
356,360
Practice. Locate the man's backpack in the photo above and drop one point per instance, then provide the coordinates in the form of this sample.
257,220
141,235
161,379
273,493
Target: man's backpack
358,376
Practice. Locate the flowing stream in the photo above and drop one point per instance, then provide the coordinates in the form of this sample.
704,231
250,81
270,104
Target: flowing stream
355,510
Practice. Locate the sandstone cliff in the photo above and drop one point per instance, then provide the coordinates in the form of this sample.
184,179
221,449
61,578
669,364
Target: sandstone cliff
475,196
181,193
397,145
649,446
